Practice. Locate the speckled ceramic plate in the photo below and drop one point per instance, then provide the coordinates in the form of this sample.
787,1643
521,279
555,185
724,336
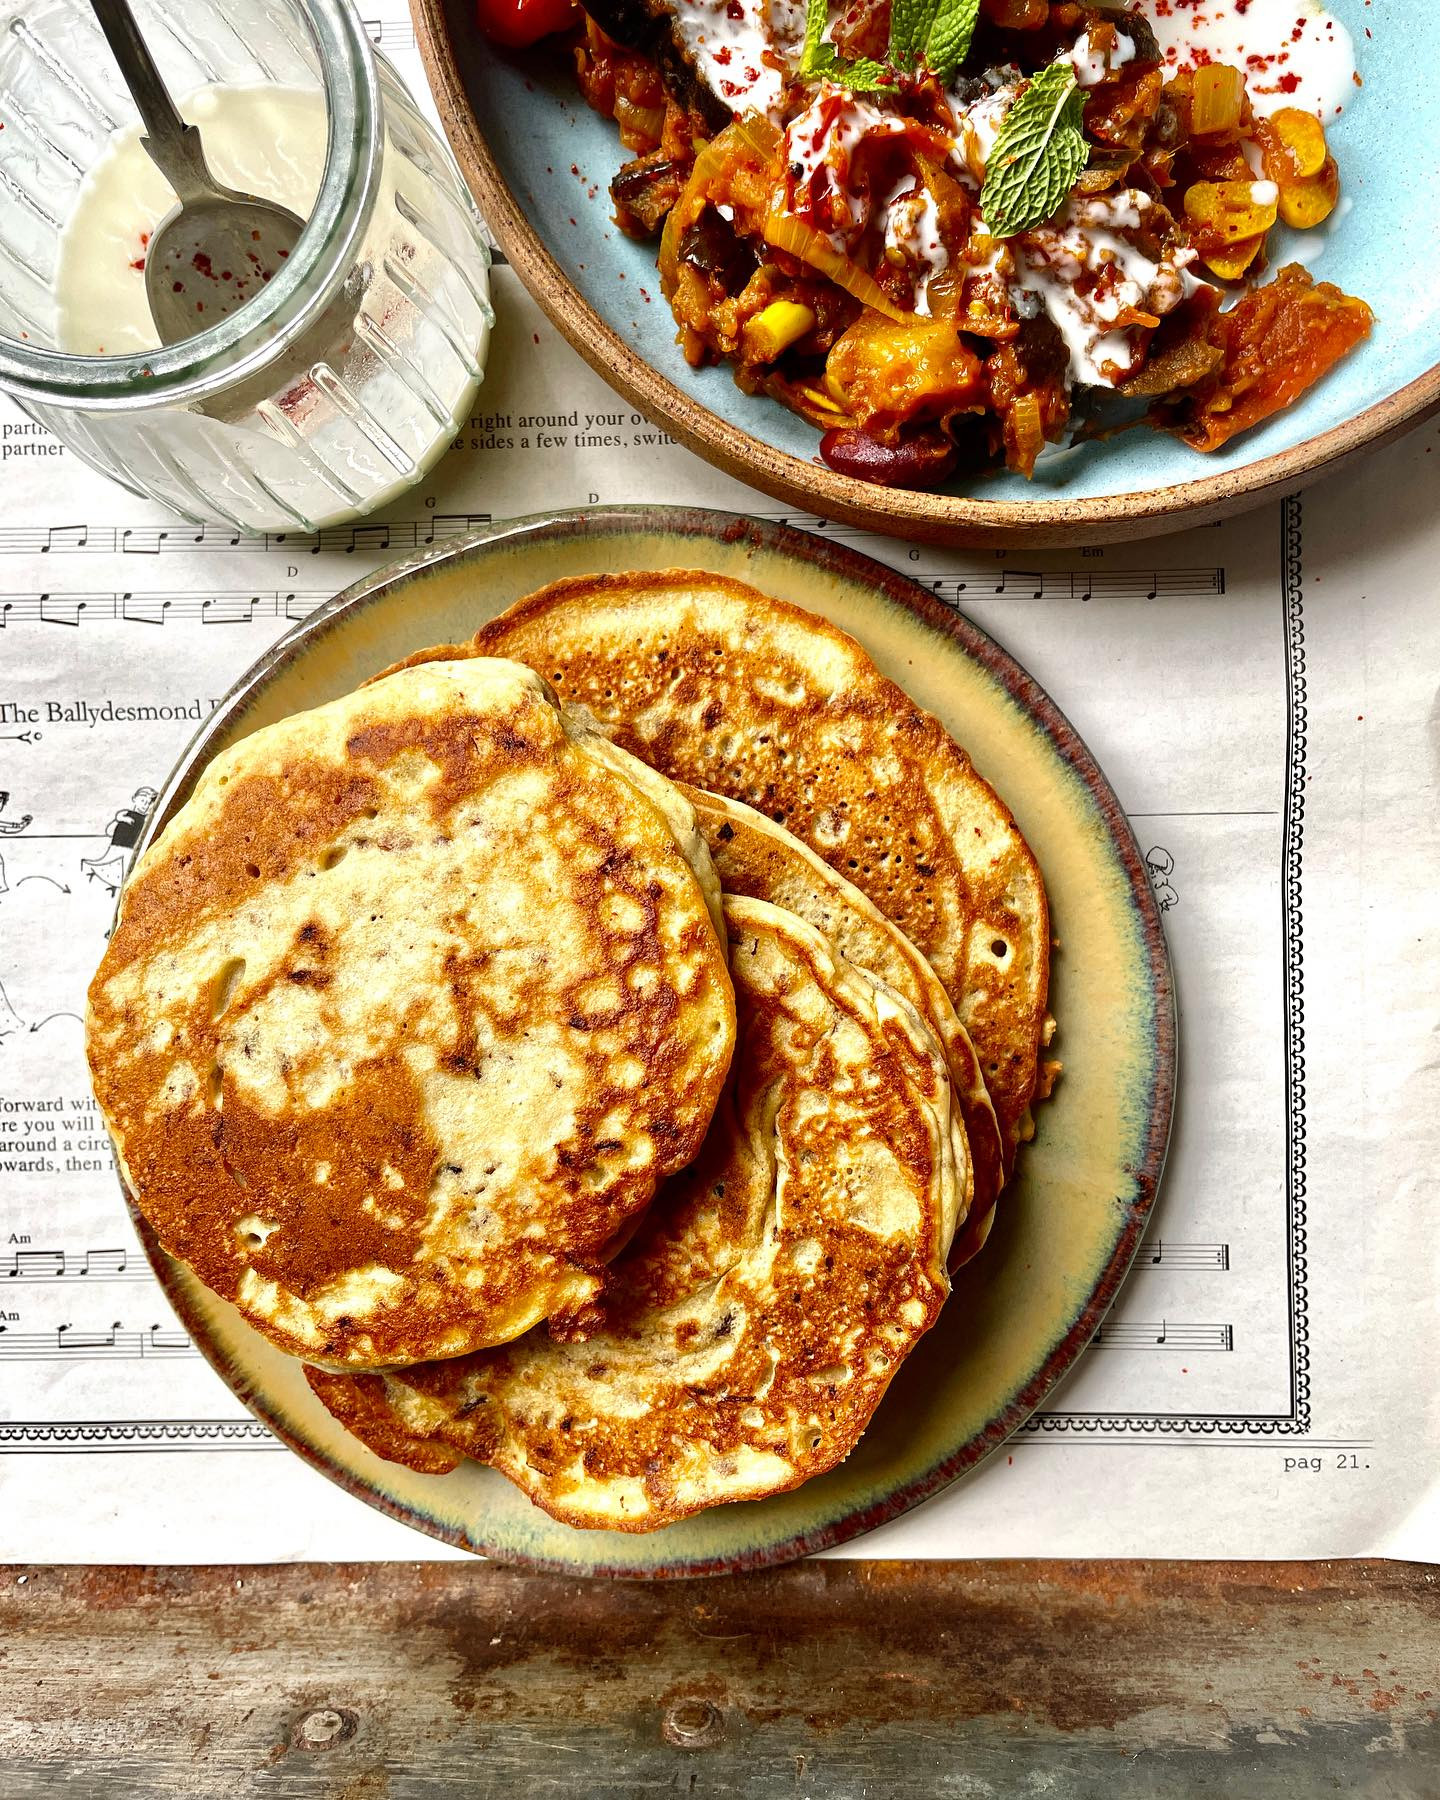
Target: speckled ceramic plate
540,162
1021,1313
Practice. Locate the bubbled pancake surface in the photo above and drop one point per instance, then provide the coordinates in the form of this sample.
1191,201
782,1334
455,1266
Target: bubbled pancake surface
750,1328
726,688
406,1014
752,855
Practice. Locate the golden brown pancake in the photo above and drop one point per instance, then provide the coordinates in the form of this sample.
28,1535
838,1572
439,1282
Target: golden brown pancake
752,855
360,1404
407,1013
726,688
749,1330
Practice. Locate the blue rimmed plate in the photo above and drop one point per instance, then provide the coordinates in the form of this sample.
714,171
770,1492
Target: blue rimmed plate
540,161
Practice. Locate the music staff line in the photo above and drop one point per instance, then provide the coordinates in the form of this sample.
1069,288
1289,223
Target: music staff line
1080,584
1162,1253
125,1265
236,607
1098,583
64,1343
389,34
152,540
61,1265
1163,1334
241,607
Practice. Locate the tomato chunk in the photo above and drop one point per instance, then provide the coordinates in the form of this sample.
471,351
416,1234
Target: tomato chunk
518,23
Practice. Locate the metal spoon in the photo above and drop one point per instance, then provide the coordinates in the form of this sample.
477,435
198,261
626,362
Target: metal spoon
216,248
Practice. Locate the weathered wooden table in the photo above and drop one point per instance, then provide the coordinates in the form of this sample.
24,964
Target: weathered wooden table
413,1681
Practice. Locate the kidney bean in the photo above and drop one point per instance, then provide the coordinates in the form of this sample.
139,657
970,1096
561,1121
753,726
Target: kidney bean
922,462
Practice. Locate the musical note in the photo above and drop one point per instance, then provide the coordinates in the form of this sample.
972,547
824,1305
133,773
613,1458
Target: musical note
229,609
60,609
111,1263
142,543
1030,581
145,609
373,537
29,1265
66,537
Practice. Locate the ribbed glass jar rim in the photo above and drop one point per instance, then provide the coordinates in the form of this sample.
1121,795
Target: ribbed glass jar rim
245,341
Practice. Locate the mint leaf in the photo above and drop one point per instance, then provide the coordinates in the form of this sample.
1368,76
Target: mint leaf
947,42
936,33
910,26
817,17
1037,155
821,61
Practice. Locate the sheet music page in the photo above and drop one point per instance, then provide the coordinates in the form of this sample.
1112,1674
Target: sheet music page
1262,695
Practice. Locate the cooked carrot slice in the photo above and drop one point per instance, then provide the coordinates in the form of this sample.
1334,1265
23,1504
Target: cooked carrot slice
1277,341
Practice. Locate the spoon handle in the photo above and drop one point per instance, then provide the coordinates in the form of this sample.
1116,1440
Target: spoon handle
174,147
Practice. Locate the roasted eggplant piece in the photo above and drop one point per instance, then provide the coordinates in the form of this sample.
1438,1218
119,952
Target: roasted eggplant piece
648,26
644,191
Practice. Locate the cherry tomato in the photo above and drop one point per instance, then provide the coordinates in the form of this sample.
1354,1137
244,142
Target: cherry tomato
518,23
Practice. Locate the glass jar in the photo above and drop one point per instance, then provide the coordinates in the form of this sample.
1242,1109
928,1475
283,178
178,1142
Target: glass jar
340,382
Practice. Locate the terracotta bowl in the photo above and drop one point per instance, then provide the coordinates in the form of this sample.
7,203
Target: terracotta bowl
540,162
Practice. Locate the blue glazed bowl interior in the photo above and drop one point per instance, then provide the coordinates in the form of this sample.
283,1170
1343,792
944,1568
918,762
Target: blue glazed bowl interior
557,157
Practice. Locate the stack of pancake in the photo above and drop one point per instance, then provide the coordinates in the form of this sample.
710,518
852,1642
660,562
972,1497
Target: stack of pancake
591,1047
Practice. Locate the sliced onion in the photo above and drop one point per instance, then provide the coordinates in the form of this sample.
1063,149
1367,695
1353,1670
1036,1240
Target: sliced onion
1216,99
642,122
799,239
1027,432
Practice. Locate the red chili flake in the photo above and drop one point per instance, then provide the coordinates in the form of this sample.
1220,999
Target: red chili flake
139,263
536,336
201,262
1287,84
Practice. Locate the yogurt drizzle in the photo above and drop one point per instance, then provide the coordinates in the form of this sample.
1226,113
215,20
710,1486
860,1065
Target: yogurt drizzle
1291,52
738,48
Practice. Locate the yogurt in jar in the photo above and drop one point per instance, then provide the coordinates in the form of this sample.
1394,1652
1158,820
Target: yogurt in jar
268,141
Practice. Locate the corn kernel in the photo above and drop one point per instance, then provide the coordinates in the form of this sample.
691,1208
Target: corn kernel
1307,203
774,329
1231,211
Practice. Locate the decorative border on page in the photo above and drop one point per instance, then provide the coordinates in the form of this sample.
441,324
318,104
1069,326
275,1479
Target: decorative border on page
19,1436
1295,1423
